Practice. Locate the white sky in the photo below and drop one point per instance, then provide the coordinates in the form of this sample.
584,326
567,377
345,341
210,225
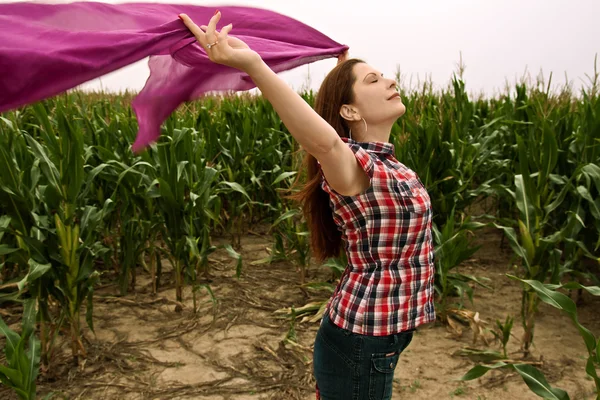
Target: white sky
500,40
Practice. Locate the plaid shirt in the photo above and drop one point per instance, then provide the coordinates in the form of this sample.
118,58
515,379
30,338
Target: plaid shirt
387,286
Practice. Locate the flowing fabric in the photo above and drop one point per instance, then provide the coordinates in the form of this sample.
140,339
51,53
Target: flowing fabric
46,49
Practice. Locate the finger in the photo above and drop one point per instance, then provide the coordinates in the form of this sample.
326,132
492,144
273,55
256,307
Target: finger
212,24
204,28
195,29
225,31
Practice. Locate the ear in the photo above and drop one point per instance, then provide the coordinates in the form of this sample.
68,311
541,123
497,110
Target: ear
349,113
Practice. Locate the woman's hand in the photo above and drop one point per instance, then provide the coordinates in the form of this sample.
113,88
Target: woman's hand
343,57
220,47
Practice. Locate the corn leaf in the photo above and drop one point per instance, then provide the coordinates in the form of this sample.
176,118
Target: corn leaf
525,202
5,249
479,370
549,155
236,256
283,176
564,303
12,339
538,384
29,317
514,243
236,187
36,270
11,377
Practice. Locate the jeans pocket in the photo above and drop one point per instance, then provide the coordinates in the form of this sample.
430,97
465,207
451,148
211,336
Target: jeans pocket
382,376
406,339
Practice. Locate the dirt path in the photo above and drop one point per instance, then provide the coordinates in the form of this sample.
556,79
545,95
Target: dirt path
234,349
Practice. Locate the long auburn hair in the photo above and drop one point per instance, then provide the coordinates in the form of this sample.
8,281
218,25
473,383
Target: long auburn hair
335,91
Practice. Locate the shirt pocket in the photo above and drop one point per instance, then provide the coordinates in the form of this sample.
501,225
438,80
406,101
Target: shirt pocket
411,196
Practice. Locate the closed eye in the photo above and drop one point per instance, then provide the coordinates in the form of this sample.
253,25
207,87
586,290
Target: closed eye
374,77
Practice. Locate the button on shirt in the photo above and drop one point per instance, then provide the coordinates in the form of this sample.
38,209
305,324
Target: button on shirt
388,284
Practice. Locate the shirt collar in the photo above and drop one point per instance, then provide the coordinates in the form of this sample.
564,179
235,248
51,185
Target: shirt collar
373,147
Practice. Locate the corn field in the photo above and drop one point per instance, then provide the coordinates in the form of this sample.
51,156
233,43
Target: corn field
78,208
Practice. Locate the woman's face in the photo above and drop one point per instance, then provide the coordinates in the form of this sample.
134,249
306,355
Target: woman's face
375,97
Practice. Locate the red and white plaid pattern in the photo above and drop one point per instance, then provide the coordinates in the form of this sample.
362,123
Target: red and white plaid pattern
387,286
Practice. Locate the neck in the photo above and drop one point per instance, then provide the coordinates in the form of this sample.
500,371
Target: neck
374,133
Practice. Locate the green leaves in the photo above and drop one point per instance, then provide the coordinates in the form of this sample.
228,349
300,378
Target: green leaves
548,294
236,187
237,257
22,354
48,167
538,384
36,270
284,176
480,370
454,246
525,203
531,375
549,155
5,249
12,340
223,166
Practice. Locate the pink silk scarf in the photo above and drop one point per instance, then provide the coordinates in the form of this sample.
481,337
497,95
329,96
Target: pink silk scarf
46,49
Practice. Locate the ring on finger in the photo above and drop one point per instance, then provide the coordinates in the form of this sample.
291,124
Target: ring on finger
208,46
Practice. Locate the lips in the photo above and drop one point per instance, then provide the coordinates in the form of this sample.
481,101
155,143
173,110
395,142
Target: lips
394,96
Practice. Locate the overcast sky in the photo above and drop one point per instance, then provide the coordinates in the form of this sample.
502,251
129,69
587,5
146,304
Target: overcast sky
499,39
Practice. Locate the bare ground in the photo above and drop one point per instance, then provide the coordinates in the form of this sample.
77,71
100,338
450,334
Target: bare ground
235,348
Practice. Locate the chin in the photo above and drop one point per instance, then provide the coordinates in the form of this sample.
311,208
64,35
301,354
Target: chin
400,110
393,113
403,110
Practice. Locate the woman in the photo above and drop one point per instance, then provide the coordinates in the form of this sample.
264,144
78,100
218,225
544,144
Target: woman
358,197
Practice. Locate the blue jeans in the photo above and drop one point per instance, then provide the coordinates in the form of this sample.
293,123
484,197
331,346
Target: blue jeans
349,366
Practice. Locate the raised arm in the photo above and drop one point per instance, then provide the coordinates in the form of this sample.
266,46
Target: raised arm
315,135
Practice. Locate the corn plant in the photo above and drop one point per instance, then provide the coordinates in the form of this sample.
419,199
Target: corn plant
137,223
503,333
532,377
454,246
536,197
550,294
580,161
22,354
57,231
292,233
247,140
581,231
446,129
6,267
24,223
62,163
182,192
22,241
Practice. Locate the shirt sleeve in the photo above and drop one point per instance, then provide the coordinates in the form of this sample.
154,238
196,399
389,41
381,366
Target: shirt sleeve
365,160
